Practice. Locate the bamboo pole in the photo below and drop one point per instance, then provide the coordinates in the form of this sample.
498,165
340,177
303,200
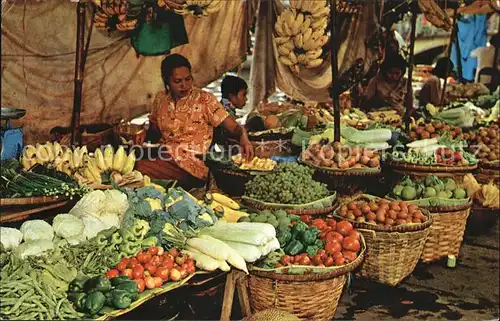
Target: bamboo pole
79,69
334,89
453,35
409,88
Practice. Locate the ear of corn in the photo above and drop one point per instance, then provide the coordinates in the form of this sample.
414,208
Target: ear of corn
129,163
119,159
108,156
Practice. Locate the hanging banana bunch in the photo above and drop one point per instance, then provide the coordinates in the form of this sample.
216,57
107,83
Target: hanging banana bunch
171,4
348,7
112,15
435,15
199,8
302,33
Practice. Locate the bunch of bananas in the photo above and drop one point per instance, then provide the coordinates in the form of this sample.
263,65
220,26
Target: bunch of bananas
112,15
259,164
197,8
323,116
301,31
117,163
55,156
437,16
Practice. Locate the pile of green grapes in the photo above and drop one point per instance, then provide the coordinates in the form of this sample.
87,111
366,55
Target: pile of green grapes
290,183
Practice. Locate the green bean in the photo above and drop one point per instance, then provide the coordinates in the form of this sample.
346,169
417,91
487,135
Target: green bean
21,300
42,293
58,307
28,316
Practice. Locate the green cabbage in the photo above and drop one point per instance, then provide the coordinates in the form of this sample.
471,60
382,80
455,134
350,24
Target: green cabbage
37,230
34,248
67,226
10,237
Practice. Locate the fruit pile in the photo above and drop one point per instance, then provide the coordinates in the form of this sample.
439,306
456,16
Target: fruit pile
301,31
290,183
382,212
336,156
256,164
341,244
153,267
430,186
434,129
485,143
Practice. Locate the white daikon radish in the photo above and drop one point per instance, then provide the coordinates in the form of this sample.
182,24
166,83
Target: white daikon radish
210,248
271,246
422,143
203,261
250,253
250,233
233,258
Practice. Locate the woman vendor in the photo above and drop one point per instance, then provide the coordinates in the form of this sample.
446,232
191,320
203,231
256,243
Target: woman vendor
185,116
432,89
388,89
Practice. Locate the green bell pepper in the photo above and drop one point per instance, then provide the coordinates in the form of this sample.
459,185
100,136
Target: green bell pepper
130,248
127,236
131,287
117,280
78,299
108,232
298,228
284,236
294,218
294,247
312,250
116,238
97,284
150,241
119,299
319,243
78,283
94,302
101,239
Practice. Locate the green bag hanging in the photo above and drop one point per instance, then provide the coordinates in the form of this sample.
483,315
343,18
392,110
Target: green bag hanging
158,32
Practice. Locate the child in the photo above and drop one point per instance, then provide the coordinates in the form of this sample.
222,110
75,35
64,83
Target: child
234,94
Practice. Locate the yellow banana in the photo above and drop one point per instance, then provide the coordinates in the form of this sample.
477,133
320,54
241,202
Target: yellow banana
26,162
288,18
301,59
42,156
214,6
281,40
108,156
282,50
289,45
314,63
77,158
299,20
119,159
287,29
99,157
322,12
298,40
226,201
29,151
68,157
50,151
314,54
307,35
285,61
57,149
293,57
306,24
129,163
278,26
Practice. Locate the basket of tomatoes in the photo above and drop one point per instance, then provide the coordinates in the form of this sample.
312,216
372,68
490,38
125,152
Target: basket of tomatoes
284,281
394,231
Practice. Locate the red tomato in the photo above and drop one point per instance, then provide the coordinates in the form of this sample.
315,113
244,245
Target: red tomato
143,257
190,262
319,223
329,261
112,273
355,234
349,256
160,251
138,272
339,261
155,260
457,156
149,282
163,273
351,244
331,223
153,250
174,252
150,267
175,275
184,273
322,253
317,259
168,263
127,272
306,219
140,284
337,255
180,259
344,227
132,262
121,266
334,236
191,269
305,260
158,281
333,247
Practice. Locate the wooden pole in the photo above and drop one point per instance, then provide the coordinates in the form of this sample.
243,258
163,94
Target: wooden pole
79,68
409,88
448,53
334,89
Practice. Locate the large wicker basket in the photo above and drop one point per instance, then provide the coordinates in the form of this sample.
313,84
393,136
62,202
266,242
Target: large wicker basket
446,234
308,296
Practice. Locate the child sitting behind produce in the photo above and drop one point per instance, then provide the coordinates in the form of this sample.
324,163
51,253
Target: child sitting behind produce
432,89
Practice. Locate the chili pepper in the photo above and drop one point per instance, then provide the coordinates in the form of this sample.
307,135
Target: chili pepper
294,247
78,300
78,283
120,299
117,280
131,287
116,238
94,302
97,284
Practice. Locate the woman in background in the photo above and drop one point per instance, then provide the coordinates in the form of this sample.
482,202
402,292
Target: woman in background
433,86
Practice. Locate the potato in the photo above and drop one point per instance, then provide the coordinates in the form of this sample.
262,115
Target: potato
380,217
402,215
371,217
400,222
360,219
389,221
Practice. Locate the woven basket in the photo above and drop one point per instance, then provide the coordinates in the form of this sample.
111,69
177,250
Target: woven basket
230,181
323,211
481,220
308,296
431,168
446,234
266,149
485,174
348,183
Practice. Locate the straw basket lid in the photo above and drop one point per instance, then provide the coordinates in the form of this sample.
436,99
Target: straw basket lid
272,315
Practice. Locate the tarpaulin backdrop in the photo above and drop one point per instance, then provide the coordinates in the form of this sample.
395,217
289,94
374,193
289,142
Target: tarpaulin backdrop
310,84
38,64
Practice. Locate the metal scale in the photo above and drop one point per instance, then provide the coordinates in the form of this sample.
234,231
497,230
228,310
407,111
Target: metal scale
11,139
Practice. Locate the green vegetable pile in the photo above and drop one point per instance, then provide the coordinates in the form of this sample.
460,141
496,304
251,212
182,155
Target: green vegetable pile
300,238
91,295
428,187
290,183
278,219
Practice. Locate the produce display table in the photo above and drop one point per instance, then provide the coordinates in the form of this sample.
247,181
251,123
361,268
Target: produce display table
18,209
